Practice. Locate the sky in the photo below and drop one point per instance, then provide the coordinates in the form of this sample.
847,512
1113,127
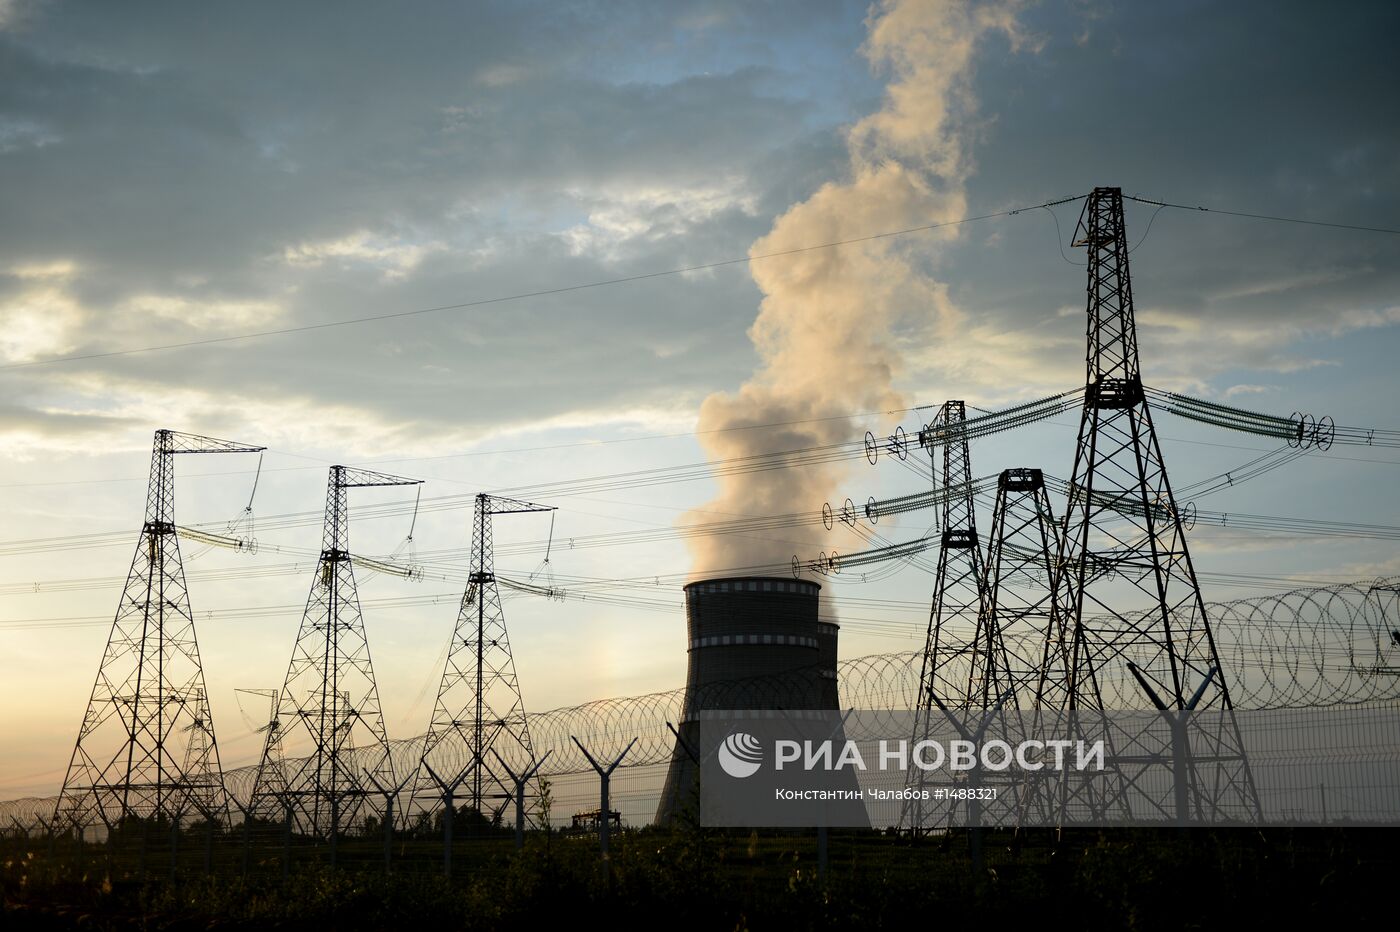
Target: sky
179,174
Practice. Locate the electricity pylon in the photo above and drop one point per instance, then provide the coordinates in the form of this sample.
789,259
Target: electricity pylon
1130,597
1020,660
1018,657
958,610
959,590
479,709
146,747
328,733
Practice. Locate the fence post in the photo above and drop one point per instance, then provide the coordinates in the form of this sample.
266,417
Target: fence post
247,812
388,792
335,827
208,844
175,819
145,841
694,756
48,836
286,801
81,828
605,816
111,844
449,793
520,782
209,815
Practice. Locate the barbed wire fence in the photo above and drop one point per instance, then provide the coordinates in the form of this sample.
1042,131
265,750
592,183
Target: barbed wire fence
1312,647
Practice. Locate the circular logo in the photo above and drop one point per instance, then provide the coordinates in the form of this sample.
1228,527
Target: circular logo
740,755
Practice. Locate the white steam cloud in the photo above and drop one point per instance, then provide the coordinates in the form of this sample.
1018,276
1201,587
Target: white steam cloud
828,328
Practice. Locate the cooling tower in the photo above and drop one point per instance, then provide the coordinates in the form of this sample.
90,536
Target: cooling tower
755,644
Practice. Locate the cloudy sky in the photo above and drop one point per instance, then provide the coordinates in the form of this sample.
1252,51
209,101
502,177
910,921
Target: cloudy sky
176,173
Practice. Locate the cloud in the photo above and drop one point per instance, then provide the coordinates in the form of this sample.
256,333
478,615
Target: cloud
1235,391
1147,99
272,182
39,322
23,134
27,434
618,216
271,175
395,257
60,269
11,13
209,317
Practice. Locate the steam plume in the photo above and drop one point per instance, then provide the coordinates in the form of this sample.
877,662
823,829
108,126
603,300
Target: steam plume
829,325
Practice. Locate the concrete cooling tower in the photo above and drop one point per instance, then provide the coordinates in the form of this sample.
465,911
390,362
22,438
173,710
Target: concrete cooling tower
755,644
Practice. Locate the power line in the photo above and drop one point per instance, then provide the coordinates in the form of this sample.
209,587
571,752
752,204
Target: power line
854,415
1239,213
520,296
990,422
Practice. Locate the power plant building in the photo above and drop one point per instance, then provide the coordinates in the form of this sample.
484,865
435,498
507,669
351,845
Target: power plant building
755,645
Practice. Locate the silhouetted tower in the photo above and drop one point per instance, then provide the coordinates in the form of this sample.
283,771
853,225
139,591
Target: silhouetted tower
1017,655
146,746
959,591
479,708
329,729
1130,596
946,681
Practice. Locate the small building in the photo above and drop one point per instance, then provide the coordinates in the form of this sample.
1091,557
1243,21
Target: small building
591,819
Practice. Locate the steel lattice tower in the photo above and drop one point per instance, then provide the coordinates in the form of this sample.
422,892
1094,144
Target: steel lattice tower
146,746
1017,652
329,732
1129,591
958,610
479,712
1020,659
959,590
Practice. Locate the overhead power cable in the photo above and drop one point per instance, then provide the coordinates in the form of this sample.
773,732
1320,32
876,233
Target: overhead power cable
991,422
1278,219
525,295
1300,430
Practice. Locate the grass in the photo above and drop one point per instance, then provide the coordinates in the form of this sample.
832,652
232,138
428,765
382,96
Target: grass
676,881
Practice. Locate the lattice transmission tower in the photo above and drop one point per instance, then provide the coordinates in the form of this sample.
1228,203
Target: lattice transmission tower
958,609
1129,592
328,737
479,716
146,746
959,604
1020,656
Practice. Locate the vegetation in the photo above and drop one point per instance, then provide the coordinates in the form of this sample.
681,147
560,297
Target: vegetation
699,879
